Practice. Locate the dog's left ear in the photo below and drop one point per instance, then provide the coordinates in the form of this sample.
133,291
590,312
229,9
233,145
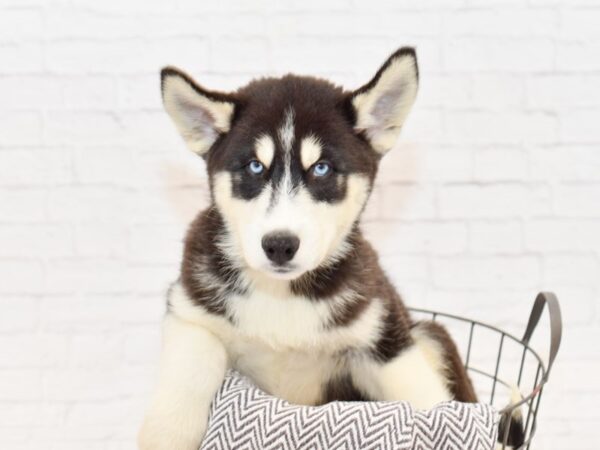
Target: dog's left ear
381,105
199,114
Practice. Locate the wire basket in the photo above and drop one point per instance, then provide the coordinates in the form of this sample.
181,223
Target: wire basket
495,375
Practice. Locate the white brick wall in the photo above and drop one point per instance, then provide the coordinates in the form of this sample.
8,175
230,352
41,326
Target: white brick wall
492,194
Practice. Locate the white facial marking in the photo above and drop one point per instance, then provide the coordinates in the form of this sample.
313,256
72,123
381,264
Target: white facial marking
198,118
321,227
265,149
310,151
286,136
286,131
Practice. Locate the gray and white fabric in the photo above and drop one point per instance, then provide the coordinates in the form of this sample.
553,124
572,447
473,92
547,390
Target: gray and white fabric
245,418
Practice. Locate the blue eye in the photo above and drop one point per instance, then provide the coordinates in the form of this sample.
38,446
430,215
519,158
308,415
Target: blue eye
256,167
321,169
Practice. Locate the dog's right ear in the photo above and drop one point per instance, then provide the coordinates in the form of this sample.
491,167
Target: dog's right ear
200,115
383,103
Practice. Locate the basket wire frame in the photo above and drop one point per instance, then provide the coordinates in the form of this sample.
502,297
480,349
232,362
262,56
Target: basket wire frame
530,394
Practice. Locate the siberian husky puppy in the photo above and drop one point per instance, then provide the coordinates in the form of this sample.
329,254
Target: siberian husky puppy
277,280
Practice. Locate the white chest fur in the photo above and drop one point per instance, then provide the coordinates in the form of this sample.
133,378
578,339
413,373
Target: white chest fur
295,375
284,343
280,319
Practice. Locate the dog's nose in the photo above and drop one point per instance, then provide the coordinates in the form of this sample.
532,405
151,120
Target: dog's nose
280,246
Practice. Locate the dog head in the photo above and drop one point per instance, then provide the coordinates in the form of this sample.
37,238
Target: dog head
291,160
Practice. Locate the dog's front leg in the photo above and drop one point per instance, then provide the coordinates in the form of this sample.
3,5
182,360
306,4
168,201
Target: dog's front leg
192,367
425,372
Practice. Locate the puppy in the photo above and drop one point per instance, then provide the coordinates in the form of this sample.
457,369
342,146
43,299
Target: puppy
277,280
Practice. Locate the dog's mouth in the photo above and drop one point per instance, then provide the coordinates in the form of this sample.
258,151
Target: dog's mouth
286,272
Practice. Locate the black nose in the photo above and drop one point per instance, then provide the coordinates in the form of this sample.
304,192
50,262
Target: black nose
280,246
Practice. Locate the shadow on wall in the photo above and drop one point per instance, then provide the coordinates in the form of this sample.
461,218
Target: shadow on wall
185,189
398,173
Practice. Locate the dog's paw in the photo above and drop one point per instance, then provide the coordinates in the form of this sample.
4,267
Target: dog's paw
166,434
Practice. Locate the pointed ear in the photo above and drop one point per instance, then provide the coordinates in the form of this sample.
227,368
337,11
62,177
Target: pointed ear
200,115
381,105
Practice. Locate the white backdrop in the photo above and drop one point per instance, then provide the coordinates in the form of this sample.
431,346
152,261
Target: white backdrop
492,194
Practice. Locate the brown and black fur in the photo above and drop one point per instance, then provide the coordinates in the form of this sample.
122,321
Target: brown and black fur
325,110
329,112
359,270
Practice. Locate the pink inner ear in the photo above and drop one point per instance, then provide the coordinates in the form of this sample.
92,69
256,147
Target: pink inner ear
197,118
386,106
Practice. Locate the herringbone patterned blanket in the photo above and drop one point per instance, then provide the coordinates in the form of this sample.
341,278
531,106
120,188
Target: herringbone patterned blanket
245,418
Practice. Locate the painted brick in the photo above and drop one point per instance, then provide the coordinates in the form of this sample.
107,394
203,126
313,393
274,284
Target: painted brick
490,195
35,167
416,163
408,202
351,25
142,345
89,92
169,249
556,92
562,235
496,200
580,23
501,128
19,128
30,414
133,91
21,24
486,273
402,269
20,385
565,163
110,165
497,92
503,22
102,240
428,123
426,237
579,301
580,270
96,350
91,276
495,237
312,54
445,89
577,200
580,127
125,56
32,350
22,58
82,128
498,54
21,314
36,240
23,92
87,203
21,276
500,164
572,56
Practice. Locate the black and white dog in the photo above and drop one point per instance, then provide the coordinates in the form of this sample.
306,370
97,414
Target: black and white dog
277,280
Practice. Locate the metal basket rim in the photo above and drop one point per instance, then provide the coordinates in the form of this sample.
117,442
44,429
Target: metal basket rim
507,410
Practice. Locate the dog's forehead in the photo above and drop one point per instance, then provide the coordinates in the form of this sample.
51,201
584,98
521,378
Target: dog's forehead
292,122
315,105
